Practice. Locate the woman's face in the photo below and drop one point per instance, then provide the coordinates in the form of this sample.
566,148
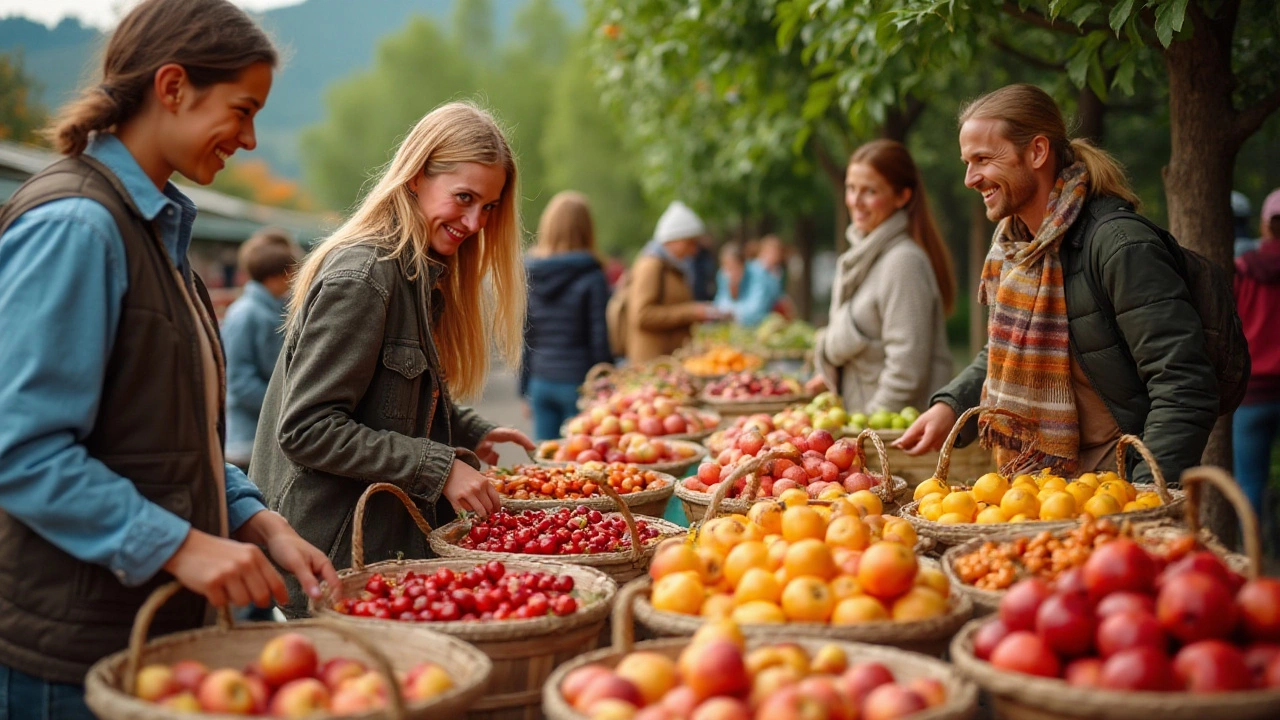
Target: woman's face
210,125
870,198
456,205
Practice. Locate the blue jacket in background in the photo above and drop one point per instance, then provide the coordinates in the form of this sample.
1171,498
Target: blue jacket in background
252,337
758,292
565,333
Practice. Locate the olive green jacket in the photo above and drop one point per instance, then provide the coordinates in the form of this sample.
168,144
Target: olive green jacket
358,397
1154,375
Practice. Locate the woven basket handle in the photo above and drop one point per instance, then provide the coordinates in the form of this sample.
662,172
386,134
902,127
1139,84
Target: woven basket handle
944,456
357,532
602,482
1126,441
142,625
753,483
1217,477
624,621
596,372
874,436
395,709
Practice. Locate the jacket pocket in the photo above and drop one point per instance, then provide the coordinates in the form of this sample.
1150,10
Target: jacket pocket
407,363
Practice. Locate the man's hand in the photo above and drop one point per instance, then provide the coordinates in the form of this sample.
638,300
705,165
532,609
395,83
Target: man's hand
226,571
929,430
290,551
485,450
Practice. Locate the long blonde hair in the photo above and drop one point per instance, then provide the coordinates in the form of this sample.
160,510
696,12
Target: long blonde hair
1028,111
565,226
389,217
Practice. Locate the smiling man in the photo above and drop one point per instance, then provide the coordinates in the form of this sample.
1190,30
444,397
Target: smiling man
1093,332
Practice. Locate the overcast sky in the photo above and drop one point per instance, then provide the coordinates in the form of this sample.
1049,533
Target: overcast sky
102,13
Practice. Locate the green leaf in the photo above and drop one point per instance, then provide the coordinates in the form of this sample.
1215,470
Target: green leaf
1119,14
1169,17
1098,79
1082,14
1124,75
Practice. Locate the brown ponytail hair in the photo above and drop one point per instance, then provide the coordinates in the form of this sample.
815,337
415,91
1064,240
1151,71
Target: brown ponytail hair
212,40
893,161
1027,112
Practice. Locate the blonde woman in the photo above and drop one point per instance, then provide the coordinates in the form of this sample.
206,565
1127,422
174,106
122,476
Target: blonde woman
566,333
389,321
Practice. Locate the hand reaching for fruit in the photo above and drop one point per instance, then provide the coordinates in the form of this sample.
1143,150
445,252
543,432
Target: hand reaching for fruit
485,450
929,430
289,550
226,571
467,490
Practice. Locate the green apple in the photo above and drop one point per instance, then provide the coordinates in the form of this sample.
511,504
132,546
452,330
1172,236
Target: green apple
860,419
899,423
879,420
838,415
910,413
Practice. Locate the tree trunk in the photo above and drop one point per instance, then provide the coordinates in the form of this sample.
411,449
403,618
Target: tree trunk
1092,115
1197,180
979,244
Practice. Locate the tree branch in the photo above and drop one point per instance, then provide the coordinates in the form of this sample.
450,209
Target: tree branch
1249,120
1011,9
1028,57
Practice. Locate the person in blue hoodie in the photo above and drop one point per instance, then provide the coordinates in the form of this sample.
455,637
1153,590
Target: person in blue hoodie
566,332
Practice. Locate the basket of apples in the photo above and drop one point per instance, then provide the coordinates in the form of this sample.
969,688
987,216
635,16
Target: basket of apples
617,544
745,393
285,670
719,674
527,616
826,571
955,515
656,417
660,376
1130,637
659,454
818,465
549,487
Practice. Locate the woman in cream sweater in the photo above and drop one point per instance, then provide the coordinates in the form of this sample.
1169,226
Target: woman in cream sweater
885,345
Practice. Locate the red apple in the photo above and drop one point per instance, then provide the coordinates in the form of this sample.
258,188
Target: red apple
261,693
225,691
1201,561
651,426
720,669
843,454
858,481
1271,678
1026,652
861,678
190,673
578,679
789,704
1125,601
287,657
681,701
608,687
337,670
1259,602
890,702
1194,606
1130,629
820,441
300,698
1071,582
1257,657
1121,564
1084,672
1019,605
988,637
1065,623
1140,668
838,704
675,424
352,700
1212,666
427,680
931,689
722,708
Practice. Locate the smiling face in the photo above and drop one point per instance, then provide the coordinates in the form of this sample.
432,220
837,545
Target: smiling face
456,205
870,197
210,124
1004,176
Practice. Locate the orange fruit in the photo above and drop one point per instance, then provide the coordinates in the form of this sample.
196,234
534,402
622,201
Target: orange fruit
674,556
758,612
1018,501
712,570
919,603
777,553
719,630
887,569
1060,505
800,522
928,487
795,497
858,609
721,534
848,531
1080,492
757,584
845,586
990,488
932,577
868,501
681,592
807,599
809,557
960,503
768,515
899,530
742,558
990,515
718,606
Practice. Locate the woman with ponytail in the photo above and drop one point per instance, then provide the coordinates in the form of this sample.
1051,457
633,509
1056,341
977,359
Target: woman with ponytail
391,318
112,477
885,344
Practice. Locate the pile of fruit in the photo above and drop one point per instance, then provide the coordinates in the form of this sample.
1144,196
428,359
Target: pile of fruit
884,420
644,382
288,680
1132,620
996,566
580,531
661,416
1044,496
633,448
746,386
720,360
486,592
716,678
799,564
541,482
824,468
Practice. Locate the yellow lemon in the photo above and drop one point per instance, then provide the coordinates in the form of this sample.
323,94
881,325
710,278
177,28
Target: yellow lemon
930,486
932,497
1020,517
931,511
990,488
868,501
1024,479
1058,506
1053,483
831,492
1151,501
991,515
960,503
1081,492
1044,494
1129,489
1019,501
1089,479
953,519
1115,489
1134,506
794,497
1103,504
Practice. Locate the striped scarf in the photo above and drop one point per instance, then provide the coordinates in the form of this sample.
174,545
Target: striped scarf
1029,357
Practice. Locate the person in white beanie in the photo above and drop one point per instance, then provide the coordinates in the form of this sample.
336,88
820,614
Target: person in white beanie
660,302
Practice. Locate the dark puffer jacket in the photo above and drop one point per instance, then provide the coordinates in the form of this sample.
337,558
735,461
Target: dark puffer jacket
566,332
1156,379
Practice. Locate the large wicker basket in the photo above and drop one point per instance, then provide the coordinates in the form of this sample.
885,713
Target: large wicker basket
949,535
962,695
621,566
1017,696
652,501
672,467
110,682
524,652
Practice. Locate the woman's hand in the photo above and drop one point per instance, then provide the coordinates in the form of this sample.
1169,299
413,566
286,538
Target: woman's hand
485,450
290,551
816,384
929,430
468,490
226,571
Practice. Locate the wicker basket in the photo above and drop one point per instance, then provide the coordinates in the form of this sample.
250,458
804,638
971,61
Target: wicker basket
523,652
962,695
730,409
696,503
652,501
1025,697
110,682
957,534
674,467
621,566
697,437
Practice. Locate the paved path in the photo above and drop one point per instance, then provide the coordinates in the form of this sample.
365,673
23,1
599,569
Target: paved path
501,404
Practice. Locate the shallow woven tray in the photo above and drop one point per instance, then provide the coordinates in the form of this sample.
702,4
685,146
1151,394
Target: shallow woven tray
962,695
652,501
674,467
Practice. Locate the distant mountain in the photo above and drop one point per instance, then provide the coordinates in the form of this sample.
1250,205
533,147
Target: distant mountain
323,40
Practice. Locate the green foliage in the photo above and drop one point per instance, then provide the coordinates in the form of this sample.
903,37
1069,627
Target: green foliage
20,117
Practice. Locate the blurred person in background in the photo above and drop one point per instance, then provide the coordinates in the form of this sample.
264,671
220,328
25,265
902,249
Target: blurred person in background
1257,420
252,334
565,333
1241,213
661,304
748,290
885,344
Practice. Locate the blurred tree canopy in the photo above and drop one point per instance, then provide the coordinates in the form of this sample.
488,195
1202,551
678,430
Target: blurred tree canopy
20,118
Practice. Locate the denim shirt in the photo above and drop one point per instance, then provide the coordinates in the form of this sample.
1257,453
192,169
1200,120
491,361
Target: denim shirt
758,292
252,337
63,277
